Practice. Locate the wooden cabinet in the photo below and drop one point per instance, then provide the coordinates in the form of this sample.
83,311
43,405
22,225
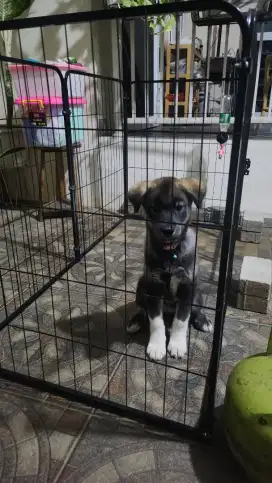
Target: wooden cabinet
186,68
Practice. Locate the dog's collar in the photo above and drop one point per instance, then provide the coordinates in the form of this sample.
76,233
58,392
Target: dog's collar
171,253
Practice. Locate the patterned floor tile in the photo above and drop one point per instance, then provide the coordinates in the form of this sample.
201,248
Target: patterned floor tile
74,335
15,289
75,344
115,450
35,437
29,248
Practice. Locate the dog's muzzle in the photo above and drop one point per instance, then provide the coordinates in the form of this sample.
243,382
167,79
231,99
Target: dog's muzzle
169,245
168,235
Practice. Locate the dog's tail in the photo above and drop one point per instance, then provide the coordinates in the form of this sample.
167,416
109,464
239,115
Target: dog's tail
197,166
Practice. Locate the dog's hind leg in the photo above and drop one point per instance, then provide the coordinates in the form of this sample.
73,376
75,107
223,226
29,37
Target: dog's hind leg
137,322
139,318
198,319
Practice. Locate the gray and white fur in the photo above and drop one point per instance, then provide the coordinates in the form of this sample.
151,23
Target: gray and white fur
170,274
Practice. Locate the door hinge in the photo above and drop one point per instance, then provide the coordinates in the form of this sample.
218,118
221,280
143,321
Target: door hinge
247,166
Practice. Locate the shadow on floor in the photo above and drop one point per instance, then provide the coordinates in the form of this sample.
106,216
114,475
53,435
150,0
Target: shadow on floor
215,463
104,329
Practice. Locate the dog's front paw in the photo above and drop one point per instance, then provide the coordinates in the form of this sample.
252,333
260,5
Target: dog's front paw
156,349
177,347
182,275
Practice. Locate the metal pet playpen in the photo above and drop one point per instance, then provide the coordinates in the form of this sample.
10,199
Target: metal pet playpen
69,268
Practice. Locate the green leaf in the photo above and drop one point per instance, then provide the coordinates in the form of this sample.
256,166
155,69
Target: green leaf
126,3
10,9
10,151
161,21
164,22
144,3
129,3
170,24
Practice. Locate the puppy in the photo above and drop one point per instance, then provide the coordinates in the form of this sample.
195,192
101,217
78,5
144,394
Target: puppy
170,274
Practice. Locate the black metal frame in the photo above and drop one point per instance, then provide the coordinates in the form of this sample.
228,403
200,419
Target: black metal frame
235,181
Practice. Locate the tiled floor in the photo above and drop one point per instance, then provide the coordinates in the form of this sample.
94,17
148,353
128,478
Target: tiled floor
46,440
74,335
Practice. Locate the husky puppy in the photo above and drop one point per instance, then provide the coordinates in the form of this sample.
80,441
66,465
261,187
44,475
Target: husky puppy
170,273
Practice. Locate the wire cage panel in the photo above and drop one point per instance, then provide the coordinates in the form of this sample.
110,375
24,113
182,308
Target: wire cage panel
37,244
185,149
69,277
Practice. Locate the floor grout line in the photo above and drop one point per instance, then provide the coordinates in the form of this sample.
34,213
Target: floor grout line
40,276
89,413
79,436
19,294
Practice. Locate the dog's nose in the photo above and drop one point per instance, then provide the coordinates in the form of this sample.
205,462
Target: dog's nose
167,231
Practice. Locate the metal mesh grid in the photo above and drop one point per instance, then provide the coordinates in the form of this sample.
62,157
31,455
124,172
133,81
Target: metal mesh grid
71,261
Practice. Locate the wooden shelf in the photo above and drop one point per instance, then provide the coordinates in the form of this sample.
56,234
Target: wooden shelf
186,47
179,103
190,58
267,83
181,76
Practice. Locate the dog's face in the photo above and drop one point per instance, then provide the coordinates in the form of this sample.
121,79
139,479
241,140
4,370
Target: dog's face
167,203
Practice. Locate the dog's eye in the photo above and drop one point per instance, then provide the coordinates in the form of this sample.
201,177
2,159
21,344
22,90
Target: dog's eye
180,206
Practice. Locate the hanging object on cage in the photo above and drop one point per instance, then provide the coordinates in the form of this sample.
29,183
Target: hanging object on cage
224,122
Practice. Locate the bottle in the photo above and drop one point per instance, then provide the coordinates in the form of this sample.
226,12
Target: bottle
225,113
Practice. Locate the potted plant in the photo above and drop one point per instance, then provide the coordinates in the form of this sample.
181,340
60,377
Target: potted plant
10,9
158,24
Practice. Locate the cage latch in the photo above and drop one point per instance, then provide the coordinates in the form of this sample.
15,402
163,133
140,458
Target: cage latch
247,166
242,64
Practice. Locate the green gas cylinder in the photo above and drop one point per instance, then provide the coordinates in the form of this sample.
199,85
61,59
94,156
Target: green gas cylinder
248,415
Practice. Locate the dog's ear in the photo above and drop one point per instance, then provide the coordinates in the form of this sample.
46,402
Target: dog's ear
195,188
137,193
